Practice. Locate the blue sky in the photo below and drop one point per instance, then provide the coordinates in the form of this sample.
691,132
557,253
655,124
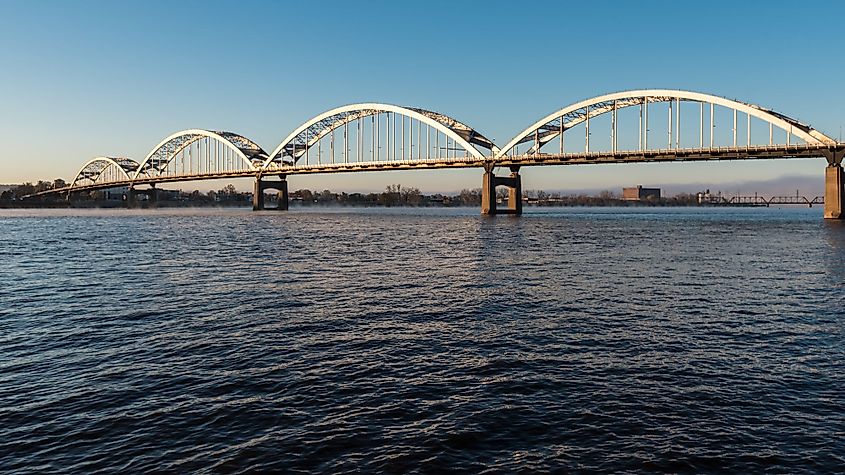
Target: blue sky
83,79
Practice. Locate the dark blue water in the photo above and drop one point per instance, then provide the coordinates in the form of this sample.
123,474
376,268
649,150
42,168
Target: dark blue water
682,340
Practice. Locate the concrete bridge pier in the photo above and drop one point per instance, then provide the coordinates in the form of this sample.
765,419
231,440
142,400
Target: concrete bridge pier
488,191
833,192
261,185
834,181
132,196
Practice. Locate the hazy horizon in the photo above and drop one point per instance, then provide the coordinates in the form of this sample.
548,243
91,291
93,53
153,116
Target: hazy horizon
805,185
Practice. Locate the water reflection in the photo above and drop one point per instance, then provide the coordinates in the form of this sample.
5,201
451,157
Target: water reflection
834,235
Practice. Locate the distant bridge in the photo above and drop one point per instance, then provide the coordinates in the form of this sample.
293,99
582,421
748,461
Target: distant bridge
374,137
757,200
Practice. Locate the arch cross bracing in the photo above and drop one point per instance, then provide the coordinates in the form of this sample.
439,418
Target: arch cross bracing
245,150
105,169
557,123
298,143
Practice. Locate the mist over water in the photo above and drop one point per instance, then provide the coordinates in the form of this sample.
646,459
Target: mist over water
422,339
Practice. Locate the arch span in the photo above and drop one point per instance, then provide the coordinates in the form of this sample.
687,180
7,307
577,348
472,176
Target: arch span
300,140
552,125
161,155
117,168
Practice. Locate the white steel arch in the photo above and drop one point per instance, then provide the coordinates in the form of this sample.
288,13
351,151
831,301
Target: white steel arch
94,168
158,158
318,127
571,115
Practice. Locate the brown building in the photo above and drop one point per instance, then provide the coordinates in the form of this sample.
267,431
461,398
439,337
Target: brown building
639,193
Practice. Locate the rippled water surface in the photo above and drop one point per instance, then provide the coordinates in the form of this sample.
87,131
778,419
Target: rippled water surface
422,340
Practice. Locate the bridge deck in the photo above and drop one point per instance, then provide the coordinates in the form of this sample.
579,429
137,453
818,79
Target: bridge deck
763,152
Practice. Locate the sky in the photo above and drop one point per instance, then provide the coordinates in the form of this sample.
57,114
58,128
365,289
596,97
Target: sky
89,78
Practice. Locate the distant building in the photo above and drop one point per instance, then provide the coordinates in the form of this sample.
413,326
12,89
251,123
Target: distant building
639,193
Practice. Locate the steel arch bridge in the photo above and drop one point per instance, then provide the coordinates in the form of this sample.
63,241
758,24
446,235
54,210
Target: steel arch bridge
105,170
390,146
621,127
555,125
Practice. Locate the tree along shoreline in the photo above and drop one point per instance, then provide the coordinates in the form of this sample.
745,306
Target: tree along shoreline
393,196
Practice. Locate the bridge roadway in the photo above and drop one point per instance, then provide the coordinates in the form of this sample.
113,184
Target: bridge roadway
489,206
761,152
379,137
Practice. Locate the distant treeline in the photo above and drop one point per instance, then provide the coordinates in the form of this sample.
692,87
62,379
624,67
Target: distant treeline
604,198
393,195
396,195
15,192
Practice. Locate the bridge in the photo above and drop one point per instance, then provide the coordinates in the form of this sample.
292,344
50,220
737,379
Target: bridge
757,200
620,127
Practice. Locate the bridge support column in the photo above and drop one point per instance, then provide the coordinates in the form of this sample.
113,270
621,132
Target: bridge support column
257,196
262,185
488,191
515,191
833,192
132,197
283,197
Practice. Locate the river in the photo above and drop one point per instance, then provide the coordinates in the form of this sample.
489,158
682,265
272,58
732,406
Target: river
401,340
